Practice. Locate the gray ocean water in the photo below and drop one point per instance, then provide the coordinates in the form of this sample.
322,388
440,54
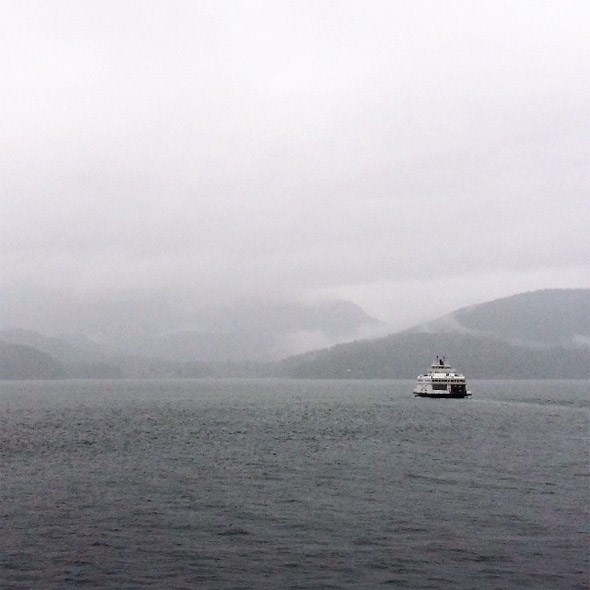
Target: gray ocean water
293,484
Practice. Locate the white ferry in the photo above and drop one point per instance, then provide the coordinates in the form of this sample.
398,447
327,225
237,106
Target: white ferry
441,380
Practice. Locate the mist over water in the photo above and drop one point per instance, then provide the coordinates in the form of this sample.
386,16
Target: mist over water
292,484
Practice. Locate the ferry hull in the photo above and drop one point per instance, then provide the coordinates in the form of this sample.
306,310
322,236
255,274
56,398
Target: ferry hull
440,395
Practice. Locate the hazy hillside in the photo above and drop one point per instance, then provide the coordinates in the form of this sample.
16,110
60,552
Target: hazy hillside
80,357
403,356
181,330
255,331
25,362
551,317
60,348
534,335
543,334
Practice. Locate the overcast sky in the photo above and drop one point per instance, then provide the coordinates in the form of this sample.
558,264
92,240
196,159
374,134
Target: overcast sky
411,156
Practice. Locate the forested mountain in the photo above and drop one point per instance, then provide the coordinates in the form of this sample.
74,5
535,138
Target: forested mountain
25,362
551,317
77,356
404,356
539,335
178,330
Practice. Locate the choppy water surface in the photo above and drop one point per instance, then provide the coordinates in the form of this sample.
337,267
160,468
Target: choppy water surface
292,484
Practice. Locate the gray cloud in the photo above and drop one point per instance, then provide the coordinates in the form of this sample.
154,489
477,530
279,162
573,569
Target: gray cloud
296,148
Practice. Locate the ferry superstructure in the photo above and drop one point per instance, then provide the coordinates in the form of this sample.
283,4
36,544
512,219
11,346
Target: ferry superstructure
441,380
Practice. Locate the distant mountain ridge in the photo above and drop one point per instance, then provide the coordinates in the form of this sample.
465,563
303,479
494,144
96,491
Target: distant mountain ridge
78,357
257,331
239,339
545,318
405,355
181,331
536,335
19,361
